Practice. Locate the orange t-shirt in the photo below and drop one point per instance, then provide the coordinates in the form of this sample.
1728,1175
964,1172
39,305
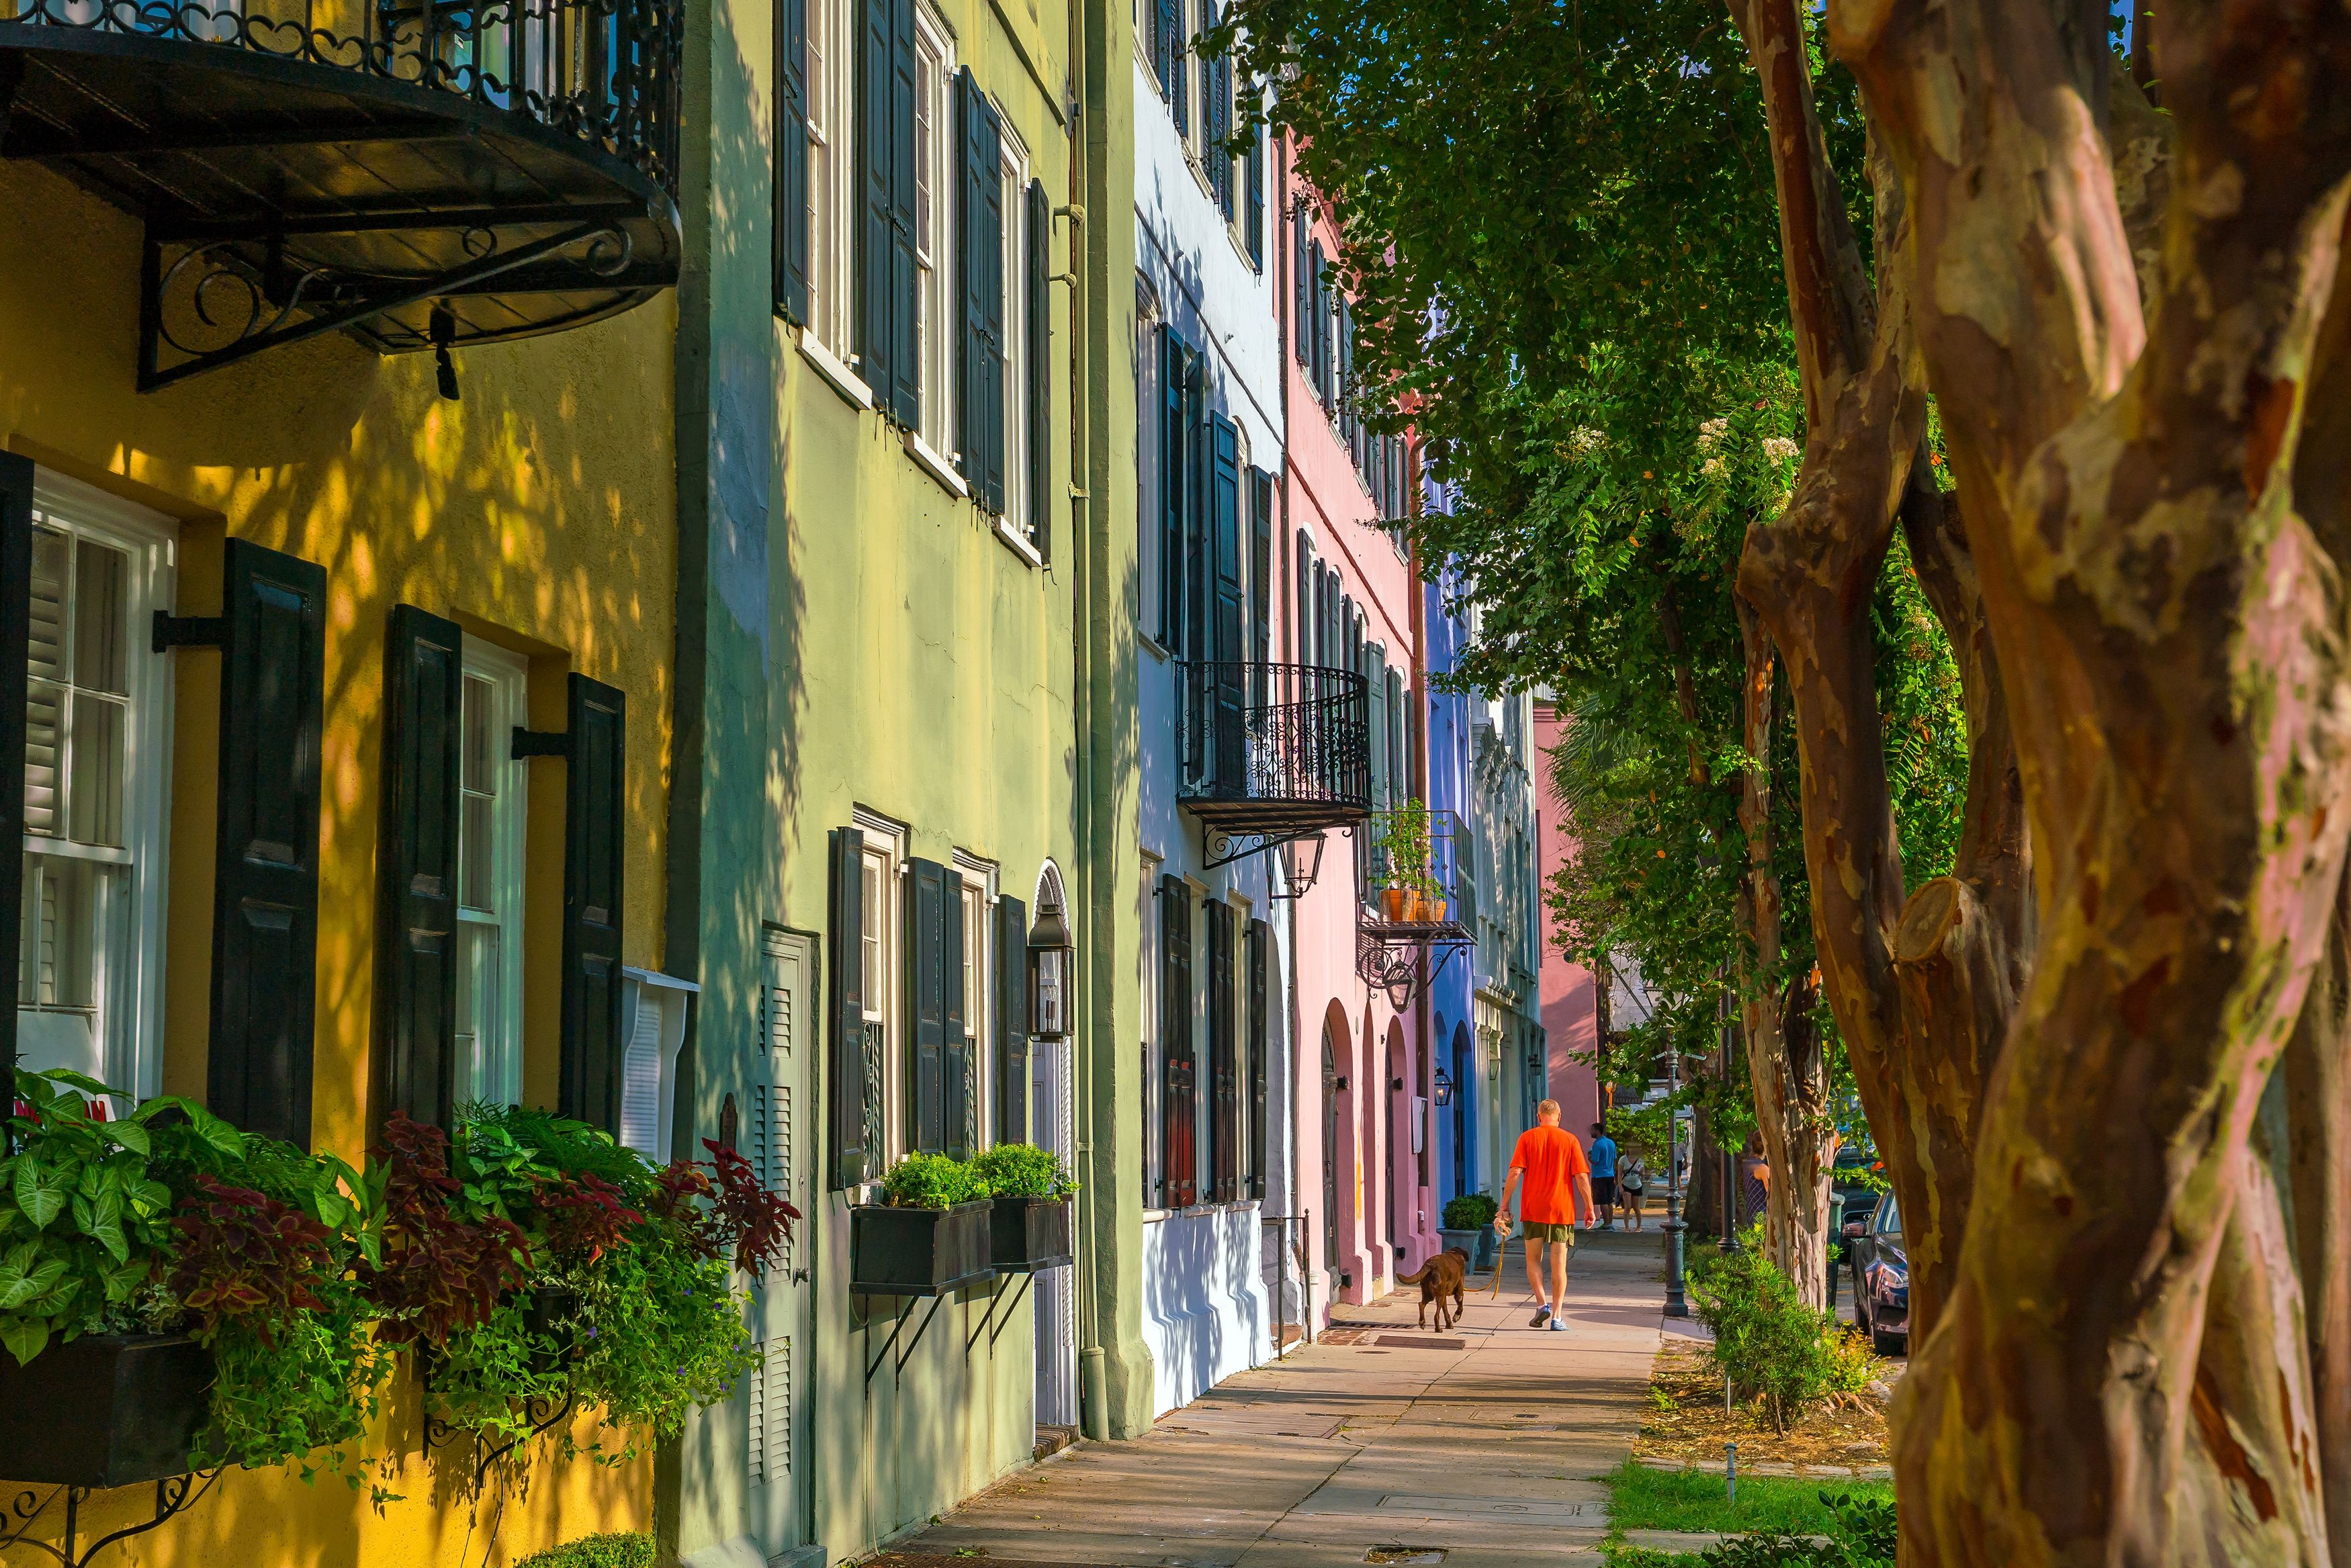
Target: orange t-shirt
1553,1158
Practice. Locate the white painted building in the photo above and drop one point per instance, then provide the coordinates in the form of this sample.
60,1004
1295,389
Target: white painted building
1216,957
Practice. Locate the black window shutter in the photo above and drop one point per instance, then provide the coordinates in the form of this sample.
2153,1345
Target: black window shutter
266,874
1175,462
848,1089
981,267
1227,617
877,139
1321,321
1179,49
927,1000
595,838
1163,47
1256,997
1197,588
1224,1068
1262,578
1012,1022
1215,119
905,398
1255,180
416,869
1179,1095
1301,288
16,647
792,158
1041,368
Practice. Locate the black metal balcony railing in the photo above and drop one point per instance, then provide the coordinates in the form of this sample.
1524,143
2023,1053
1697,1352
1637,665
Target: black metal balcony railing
423,174
604,71
1267,753
1425,884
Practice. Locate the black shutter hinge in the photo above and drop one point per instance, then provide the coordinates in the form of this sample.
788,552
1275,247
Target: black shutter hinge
541,743
189,631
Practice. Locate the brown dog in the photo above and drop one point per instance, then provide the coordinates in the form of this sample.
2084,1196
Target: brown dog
1439,1280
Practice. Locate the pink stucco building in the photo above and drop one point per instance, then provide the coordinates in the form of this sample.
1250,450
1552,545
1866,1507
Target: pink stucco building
1570,1011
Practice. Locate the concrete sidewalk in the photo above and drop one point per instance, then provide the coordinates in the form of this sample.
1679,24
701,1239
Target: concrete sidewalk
1486,1442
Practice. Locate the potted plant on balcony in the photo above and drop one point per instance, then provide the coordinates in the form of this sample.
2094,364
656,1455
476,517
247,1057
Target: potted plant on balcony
930,1234
1030,1222
1402,841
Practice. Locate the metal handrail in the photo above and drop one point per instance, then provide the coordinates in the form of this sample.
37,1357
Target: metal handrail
604,72
1251,731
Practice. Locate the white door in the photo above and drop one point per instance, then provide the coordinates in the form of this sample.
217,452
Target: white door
779,1144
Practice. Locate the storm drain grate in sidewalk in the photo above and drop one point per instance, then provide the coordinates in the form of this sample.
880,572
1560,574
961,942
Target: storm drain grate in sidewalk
1405,1554
1423,1342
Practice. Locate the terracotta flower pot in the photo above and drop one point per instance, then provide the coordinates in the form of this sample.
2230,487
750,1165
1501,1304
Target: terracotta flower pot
1392,903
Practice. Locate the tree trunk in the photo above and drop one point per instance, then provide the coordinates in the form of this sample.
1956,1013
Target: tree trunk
2117,1377
1785,1063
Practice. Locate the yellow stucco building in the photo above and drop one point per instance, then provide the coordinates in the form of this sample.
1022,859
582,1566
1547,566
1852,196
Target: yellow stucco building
250,228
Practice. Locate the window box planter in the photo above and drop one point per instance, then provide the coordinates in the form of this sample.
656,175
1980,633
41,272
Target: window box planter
918,1251
1031,1234
106,1409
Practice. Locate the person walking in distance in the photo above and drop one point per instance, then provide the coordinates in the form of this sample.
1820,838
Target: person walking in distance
1604,1178
1558,1181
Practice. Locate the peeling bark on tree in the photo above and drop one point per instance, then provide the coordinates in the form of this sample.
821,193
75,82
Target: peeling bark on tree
2118,1377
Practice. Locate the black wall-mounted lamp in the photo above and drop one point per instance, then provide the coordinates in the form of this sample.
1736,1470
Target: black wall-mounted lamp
1050,959
1444,1088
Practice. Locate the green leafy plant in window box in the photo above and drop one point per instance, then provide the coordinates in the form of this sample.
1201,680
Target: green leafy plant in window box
933,1181
1023,1170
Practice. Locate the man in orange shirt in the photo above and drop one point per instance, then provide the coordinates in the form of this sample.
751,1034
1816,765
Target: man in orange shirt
1558,1177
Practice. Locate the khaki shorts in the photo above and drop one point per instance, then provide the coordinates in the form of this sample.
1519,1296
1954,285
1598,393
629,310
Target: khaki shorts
1548,1231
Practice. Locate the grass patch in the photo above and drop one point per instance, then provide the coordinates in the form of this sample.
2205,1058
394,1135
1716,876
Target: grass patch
1643,1499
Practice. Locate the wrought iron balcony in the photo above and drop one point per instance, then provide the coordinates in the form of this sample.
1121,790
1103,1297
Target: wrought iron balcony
1418,898
1270,753
421,173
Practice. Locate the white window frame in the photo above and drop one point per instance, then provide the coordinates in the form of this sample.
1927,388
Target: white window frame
935,309
1155,1061
882,868
492,1069
1012,175
127,988
832,70
978,896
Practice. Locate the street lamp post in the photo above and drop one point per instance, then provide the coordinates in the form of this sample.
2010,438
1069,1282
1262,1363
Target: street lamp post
1675,1306
1730,1158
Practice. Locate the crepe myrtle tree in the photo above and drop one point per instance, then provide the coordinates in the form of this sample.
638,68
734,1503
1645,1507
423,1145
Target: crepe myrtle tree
1565,255
2109,1078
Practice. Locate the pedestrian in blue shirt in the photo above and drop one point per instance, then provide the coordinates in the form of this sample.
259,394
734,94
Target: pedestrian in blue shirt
1604,1176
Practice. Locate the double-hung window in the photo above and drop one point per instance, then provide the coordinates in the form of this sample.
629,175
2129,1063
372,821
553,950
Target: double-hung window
880,918
978,972
1013,178
97,736
831,174
492,791
934,248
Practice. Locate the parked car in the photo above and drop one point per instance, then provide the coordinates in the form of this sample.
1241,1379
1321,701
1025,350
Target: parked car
1881,1278
1856,1177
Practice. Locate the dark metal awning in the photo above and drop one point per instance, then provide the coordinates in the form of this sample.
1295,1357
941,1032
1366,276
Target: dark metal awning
435,176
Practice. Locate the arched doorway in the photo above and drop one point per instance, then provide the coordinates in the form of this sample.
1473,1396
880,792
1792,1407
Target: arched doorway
1396,1095
1461,1090
1329,1150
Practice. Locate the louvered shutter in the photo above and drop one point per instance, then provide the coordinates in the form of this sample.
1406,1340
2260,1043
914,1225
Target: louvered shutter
1344,389
1179,82
1224,1068
1321,321
981,267
1163,46
590,1076
266,876
1198,589
1256,998
926,984
1227,648
904,401
415,1054
1041,368
771,1413
1262,578
1216,118
846,1079
1174,465
792,158
1178,1106
1301,290
958,1050
1254,180
877,142
1011,1021
15,648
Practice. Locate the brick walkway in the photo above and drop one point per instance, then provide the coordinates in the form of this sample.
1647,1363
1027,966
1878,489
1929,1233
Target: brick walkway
1487,1442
